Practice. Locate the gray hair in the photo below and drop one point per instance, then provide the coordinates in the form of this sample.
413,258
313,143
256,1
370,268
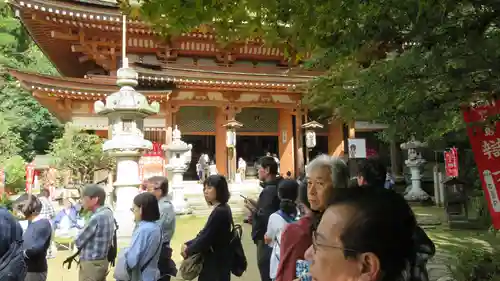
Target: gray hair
339,171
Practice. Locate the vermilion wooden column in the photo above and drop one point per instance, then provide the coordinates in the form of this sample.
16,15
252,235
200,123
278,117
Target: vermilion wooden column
286,145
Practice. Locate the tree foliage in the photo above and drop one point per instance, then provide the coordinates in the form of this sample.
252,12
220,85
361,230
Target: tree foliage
11,162
410,64
32,122
81,153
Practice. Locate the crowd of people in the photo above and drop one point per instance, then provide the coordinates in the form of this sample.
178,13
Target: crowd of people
323,227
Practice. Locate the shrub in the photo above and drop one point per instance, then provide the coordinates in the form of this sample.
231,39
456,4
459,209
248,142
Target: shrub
477,264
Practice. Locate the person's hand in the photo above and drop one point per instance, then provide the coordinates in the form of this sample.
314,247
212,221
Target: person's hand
250,205
267,239
183,251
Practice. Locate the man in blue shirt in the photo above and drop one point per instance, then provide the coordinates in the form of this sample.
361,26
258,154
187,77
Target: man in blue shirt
9,232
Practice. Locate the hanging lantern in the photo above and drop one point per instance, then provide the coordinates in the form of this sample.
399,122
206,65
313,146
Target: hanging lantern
231,138
311,128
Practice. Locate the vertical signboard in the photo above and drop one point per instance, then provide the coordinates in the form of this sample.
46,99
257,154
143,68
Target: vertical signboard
484,137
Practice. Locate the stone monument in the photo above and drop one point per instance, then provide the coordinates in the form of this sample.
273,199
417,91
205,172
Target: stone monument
126,110
178,154
415,162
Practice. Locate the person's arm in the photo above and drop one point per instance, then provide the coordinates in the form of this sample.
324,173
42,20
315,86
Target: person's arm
58,219
138,248
271,229
167,216
265,207
87,233
41,234
208,234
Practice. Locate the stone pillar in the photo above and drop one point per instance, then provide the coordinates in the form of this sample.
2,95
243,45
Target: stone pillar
285,142
126,186
220,141
336,138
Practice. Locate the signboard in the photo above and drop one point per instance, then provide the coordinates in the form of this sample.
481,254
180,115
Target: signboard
152,163
357,148
451,163
151,166
30,177
485,142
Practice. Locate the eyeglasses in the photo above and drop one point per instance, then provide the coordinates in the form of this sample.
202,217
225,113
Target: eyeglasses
316,245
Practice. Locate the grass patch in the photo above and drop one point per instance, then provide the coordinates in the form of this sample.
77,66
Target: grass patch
454,241
186,229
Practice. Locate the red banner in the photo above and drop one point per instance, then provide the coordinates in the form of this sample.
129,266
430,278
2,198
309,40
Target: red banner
30,176
451,163
485,141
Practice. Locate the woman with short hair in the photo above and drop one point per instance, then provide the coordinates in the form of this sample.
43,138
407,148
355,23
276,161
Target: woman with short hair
141,259
36,238
212,242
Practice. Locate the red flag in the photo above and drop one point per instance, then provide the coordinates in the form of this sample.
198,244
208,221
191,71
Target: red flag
30,176
451,163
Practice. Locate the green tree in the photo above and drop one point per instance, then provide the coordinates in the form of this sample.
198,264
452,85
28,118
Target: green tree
410,64
80,153
13,164
34,124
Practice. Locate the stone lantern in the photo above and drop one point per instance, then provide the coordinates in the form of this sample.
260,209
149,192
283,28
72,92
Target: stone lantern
126,110
415,162
178,154
310,129
231,127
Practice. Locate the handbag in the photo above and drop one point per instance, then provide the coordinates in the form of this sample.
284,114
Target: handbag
191,267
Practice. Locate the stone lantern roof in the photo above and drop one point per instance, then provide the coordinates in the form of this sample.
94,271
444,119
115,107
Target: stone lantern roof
127,99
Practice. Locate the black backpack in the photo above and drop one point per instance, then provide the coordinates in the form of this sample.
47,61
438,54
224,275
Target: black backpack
239,260
113,249
12,264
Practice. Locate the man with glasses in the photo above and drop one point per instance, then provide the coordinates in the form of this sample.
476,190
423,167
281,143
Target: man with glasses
158,186
365,234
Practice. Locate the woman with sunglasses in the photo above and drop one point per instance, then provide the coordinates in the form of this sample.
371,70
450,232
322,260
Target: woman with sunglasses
213,240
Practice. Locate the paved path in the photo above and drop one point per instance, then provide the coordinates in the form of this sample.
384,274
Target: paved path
437,266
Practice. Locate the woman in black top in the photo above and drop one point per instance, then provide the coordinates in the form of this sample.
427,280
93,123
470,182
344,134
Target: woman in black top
213,240
36,238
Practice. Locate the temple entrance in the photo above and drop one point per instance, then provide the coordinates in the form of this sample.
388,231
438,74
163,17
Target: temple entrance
201,144
251,148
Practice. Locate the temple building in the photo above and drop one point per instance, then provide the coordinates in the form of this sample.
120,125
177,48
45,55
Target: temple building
199,85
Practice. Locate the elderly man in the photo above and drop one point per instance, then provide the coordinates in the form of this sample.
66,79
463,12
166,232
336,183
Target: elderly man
96,238
158,186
